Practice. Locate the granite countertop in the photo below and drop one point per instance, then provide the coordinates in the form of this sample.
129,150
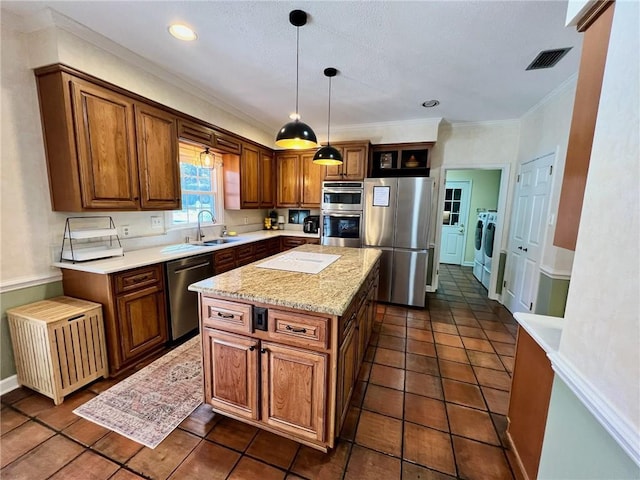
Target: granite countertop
164,253
329,291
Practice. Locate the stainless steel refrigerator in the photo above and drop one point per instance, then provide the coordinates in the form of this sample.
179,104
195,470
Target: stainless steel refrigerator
397,215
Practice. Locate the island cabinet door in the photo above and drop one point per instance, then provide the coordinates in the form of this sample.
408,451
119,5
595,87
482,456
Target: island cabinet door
231,373
294,386
347,362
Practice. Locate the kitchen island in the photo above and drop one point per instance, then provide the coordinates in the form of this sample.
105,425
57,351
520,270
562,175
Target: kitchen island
282,349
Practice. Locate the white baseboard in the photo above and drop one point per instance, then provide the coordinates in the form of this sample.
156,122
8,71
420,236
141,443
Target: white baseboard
8,384
468,264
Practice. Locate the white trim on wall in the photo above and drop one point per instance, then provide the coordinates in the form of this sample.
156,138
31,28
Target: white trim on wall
25,282
618,426
555,273
8,384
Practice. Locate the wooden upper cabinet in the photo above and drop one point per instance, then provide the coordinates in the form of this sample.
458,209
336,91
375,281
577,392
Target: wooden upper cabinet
107,149
288,179
311,185
158,159
249,178
355,157
299,179
583,124
267,180
105,130
196,132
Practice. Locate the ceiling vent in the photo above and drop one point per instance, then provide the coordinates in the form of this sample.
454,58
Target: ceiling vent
548,58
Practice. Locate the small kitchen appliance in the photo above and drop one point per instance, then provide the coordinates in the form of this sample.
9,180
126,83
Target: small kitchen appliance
311,224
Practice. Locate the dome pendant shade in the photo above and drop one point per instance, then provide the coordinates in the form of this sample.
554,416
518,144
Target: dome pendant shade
328,156
296,135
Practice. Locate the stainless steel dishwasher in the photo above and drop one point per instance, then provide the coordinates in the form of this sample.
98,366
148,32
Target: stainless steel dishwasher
183,304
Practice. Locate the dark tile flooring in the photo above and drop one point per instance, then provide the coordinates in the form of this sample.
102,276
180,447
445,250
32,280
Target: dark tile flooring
430,404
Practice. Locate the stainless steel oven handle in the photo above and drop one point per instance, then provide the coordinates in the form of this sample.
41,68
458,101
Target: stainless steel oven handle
342,215
326,190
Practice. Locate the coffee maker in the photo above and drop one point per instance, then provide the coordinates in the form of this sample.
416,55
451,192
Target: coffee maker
311,224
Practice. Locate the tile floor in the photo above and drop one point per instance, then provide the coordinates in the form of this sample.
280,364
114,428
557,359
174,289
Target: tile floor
430,404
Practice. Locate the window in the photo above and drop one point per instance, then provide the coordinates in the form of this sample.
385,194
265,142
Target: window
201,188
452,200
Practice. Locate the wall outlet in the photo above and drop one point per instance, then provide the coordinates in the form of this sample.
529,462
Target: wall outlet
246,220
156,221
126,230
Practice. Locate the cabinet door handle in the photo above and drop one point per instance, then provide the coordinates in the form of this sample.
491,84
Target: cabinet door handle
252,348
225,315
525,249
296,330
520,247
263,350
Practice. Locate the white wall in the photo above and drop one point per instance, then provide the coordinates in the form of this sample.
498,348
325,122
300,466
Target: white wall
31,233
544,130
601,337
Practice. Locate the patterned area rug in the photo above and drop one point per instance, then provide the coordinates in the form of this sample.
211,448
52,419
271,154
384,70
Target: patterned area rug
150,404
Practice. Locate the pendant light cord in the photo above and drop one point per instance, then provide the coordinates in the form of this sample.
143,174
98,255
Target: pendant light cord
329,115
297,68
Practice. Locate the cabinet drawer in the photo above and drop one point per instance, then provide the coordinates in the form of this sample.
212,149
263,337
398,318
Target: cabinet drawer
228,316
291,242
138,278
298,329
245,254
224,260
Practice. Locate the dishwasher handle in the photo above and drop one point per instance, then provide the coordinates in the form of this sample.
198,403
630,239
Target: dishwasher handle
191,267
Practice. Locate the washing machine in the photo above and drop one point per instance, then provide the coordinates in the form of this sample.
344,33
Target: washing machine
478,261
487,247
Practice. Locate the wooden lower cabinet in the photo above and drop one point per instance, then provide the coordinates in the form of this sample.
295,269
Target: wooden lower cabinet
348,372
277,385
134,310
231,372
294,390
142,321
295,378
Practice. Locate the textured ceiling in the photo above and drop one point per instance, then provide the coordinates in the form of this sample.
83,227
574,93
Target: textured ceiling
392,56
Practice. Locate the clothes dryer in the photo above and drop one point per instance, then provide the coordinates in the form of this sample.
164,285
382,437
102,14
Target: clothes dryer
478,261
489,240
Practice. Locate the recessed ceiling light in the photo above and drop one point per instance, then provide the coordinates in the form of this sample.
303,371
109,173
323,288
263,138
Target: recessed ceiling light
182,32
430,103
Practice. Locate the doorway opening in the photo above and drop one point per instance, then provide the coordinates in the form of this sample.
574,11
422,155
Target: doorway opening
466,223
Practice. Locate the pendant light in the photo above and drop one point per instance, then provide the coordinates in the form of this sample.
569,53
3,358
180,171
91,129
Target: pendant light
328,155
297,134
206,159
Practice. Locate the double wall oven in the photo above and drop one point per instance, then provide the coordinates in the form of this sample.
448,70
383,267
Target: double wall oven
341,219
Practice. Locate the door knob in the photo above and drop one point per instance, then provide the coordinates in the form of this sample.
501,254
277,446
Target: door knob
520,247
524,249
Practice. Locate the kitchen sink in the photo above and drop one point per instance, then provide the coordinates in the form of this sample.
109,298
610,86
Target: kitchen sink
220,241
180,247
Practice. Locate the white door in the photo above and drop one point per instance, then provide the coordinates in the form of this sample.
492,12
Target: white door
529,216
454,231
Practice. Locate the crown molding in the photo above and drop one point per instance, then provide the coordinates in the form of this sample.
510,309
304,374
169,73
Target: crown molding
489,123
429,122
568,83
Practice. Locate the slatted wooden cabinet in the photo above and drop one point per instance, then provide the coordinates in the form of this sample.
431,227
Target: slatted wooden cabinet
58,344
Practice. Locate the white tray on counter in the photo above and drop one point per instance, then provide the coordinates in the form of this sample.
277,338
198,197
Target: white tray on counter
92,253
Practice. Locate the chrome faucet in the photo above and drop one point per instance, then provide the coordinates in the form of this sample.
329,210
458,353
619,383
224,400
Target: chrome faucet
199,234
224,232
